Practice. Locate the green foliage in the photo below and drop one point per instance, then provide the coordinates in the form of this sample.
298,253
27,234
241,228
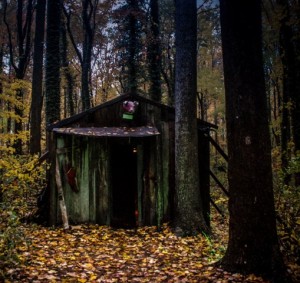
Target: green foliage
10,102
21,182
294,165
21,177
10,236
287,203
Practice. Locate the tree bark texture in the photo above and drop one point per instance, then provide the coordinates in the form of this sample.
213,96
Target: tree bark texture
37,79
88,19
154,53
253,243
189,218
53,62
132,47
1,102
69,100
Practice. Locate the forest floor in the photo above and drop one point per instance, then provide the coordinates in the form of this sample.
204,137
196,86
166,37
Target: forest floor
101,254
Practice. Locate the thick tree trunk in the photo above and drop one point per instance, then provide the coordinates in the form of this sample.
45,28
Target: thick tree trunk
37,79
253,243
189,218
53,62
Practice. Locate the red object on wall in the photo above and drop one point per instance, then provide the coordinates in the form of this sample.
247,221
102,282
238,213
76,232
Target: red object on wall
71,178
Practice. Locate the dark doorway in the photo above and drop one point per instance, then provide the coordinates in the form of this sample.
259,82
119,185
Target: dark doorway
124,185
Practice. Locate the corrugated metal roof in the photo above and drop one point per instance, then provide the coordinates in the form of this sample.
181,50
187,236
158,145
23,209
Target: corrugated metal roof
144,131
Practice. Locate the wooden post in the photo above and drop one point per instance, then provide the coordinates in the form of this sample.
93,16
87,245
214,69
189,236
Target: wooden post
61,198
204,179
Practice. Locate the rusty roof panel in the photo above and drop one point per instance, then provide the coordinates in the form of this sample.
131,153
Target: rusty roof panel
110,131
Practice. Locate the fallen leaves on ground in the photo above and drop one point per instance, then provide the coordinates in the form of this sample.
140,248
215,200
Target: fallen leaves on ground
102,254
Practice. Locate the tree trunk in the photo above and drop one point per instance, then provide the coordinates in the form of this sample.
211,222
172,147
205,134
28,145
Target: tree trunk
189,218
154,53
88,12
19,112
253,243
67,73
53,62
289,82
37,79
291,39
132,48
1,102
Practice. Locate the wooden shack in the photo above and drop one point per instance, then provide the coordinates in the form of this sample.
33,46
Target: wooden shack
117,167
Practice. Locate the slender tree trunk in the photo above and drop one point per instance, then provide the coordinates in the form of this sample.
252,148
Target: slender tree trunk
295,95
168,74
88,11
189,218
1,127
154,53
67,72
132,48
19,112
53,62
85,87
285,130
288,81
37,79
253,243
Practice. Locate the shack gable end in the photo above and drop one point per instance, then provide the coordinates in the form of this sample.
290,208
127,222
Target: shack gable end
110,114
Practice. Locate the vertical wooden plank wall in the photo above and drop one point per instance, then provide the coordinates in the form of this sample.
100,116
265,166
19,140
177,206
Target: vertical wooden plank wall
76,156
93,179
165,169
89,157
102,181
159,183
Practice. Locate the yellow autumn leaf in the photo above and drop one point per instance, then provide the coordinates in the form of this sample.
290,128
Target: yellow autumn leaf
93,277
